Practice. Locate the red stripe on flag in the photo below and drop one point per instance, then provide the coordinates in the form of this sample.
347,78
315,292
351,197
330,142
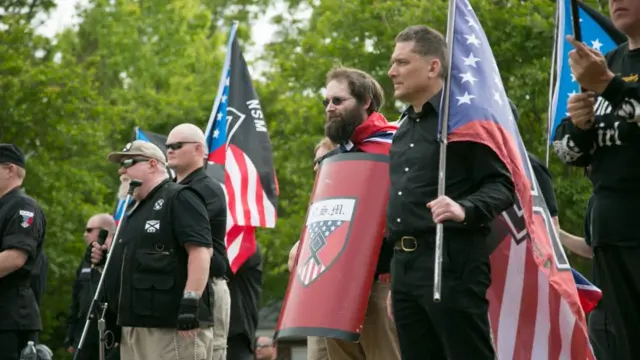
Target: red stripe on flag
499,266
528,308
231,198
260,201
555,339
244,185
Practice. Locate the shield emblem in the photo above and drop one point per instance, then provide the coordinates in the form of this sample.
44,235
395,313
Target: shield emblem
326,235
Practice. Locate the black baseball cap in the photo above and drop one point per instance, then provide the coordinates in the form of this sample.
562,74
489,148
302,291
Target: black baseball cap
9,153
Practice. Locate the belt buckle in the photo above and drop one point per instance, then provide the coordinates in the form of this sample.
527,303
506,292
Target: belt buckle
406,248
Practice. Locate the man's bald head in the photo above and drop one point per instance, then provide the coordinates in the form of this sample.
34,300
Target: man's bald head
186,149
97,222
186,133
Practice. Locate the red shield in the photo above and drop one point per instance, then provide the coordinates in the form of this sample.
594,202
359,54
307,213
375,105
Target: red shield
339,247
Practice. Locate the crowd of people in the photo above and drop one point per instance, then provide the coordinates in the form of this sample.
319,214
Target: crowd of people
168,285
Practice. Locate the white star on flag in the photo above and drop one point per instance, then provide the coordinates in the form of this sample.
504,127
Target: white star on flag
573,78
572,93
496,97
471,60
471,22
219,116
472,39
224,99
216,133
596,44
465,99
227,81
468,77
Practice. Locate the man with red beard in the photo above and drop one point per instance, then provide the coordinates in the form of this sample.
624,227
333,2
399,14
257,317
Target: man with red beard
352,102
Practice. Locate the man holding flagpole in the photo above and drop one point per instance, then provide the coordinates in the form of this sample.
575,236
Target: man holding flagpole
607,138
478,188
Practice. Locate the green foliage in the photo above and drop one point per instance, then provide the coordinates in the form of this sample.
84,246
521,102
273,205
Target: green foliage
156,64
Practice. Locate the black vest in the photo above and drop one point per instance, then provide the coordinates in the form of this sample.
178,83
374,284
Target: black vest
154,266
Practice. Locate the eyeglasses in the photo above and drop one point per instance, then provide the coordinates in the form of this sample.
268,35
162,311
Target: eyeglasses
179,144
89,230
130,162
336,100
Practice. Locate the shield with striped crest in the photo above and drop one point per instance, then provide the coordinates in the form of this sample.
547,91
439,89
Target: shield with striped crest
326,235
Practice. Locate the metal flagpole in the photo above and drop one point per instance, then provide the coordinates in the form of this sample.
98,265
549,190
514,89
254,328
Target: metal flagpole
553,80
444,131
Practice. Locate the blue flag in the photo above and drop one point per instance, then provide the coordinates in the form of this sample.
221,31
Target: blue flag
597,32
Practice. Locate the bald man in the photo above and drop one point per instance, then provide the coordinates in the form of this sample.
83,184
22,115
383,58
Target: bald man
186,154
83,290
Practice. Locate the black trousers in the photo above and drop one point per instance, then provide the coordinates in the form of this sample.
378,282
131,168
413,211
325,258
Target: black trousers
601,335
619,280
239,348
12,343
457,327
91,347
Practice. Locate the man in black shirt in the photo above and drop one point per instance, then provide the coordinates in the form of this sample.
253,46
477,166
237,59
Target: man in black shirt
84,288
22,231
478,188
186,151
605,135
158,277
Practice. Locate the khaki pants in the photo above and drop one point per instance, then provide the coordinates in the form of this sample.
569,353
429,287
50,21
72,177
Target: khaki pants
317,348
221,315
165,344
378,340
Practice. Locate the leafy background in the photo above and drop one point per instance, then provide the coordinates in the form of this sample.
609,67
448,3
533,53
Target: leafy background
70,99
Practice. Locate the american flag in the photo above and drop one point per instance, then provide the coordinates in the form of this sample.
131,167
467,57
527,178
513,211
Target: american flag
534,309
240,156
598,32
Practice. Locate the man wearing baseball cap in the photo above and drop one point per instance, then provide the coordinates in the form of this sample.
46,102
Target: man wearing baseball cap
22,230
159,281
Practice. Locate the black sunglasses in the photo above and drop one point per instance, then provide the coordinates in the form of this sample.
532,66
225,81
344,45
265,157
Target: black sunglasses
179,144
130,162
337,101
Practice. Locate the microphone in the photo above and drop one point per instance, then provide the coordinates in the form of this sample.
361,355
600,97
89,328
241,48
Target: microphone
133,184
102,236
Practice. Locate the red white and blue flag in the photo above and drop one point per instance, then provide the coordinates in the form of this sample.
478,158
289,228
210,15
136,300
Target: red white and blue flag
535,310
240,156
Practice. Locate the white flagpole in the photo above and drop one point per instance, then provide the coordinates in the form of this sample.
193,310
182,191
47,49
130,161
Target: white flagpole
553,81
444,131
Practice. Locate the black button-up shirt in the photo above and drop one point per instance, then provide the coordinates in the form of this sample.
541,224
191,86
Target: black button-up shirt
475,177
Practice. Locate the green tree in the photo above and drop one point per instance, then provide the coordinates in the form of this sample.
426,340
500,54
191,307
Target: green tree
55,115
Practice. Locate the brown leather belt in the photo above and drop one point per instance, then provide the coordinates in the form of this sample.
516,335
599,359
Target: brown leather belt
407,244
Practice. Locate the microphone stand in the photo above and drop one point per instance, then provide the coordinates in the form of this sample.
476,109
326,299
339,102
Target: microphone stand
93,307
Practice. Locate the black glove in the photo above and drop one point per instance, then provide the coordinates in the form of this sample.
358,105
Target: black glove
188,314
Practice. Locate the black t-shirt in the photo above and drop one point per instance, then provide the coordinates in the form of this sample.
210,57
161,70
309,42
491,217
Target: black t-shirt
543,176
22,227
216,204
611,147
187,211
